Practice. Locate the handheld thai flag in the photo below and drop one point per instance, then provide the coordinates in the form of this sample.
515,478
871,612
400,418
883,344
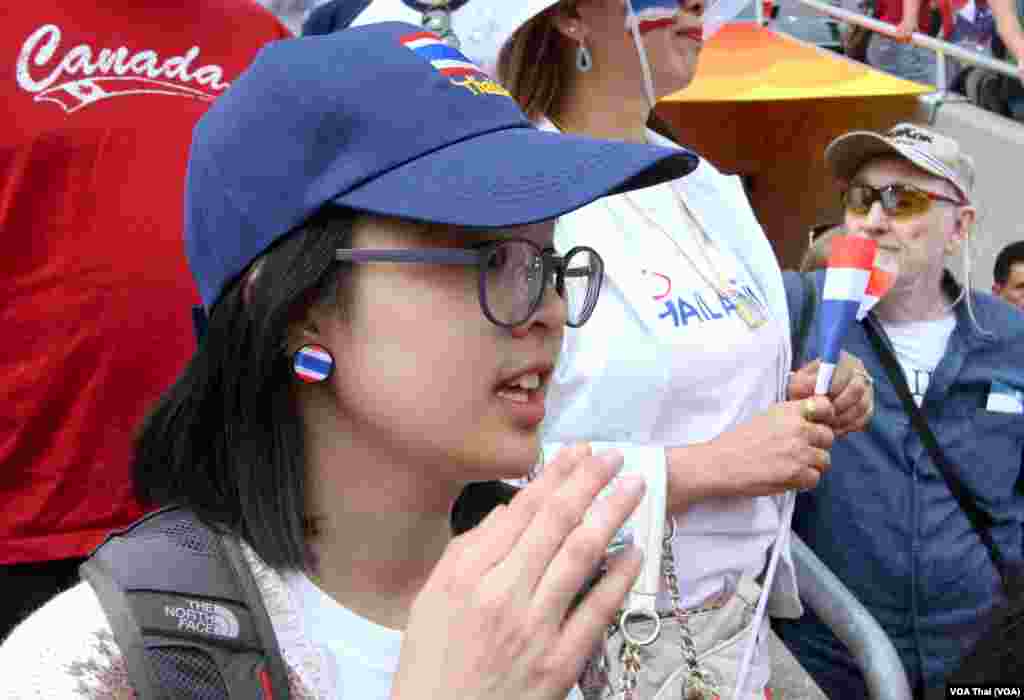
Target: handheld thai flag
850,262
883,276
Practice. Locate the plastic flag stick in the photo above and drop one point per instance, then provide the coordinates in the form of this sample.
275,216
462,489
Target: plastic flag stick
850,262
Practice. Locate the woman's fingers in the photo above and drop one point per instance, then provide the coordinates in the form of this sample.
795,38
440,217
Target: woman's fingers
855,390
560,513
819,460
819,435
586,626
584,548
856,417
482,548
802,381
817,410
852,393
528,501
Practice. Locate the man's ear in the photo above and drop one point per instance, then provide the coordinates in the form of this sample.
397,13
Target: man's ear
964,225
997,289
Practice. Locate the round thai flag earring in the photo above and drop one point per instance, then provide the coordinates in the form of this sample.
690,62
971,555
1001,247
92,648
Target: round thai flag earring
312,363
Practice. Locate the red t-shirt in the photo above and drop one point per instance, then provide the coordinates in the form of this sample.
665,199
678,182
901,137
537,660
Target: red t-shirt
892,11
97,105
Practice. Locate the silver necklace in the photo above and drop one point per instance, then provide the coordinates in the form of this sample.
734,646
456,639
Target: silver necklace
748,310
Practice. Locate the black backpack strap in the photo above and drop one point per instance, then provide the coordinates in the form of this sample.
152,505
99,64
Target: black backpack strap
980,520
186,612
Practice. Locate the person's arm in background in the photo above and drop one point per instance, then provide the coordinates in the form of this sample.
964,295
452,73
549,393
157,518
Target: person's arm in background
1008,24
777,451
782,449
911,18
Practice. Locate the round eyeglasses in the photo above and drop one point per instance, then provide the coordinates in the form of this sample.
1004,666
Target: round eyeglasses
513,274
898,201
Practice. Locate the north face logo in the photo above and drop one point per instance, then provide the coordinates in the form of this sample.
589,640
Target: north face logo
201,617
911,134
85,75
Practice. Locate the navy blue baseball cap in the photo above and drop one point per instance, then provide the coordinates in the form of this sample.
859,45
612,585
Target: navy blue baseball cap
384,119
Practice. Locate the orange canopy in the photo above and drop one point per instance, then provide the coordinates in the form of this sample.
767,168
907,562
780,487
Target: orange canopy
765,106
745,62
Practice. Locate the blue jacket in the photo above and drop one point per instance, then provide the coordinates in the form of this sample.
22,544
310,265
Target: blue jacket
883,518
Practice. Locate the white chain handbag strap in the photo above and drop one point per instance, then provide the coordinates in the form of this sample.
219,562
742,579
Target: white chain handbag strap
648,528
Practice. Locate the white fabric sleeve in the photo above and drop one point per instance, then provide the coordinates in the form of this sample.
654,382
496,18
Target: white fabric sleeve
64,651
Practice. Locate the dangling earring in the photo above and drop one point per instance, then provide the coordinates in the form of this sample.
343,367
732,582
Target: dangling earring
584,61
312,364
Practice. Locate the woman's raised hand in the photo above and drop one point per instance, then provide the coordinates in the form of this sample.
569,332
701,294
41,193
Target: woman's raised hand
494,620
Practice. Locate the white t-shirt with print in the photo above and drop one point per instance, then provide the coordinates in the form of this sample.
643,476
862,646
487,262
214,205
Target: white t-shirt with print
720,373
676,349
919,347
362,656
665,362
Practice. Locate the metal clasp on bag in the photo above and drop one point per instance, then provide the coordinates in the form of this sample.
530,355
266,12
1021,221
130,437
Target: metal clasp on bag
630,615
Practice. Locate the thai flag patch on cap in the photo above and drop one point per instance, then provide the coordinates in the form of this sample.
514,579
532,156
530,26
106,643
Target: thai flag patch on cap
312,363
451,62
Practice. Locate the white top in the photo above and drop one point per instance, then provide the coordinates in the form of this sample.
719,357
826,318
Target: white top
66,650
361,656
481,27
82,660
387,11
919,347
664,362
713,371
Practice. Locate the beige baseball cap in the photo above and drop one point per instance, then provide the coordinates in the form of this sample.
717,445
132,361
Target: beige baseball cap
932,152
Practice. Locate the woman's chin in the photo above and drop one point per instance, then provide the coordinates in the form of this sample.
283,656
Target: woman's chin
522,459
675,80
505,459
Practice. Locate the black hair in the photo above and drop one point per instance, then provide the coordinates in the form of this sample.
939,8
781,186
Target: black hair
1008,256
226,440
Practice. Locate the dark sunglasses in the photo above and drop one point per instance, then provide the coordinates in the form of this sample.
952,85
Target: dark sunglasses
898,201
513,274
